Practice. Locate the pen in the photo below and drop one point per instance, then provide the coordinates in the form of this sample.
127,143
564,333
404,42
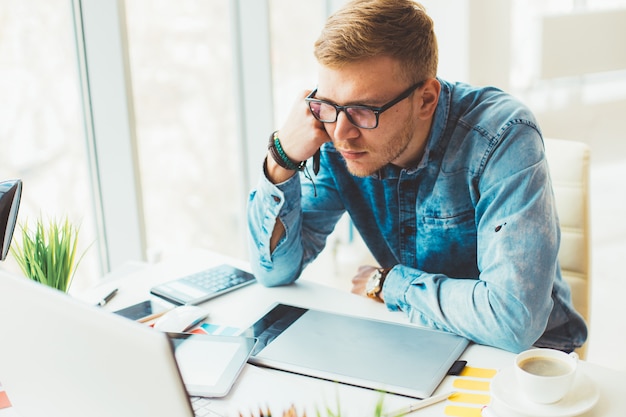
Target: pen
419,405
107,297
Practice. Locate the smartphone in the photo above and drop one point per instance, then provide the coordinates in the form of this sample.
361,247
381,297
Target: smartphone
145,310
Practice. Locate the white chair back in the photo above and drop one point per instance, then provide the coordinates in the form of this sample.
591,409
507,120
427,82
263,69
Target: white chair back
569,169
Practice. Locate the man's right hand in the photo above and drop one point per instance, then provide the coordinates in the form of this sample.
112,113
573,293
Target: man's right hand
300,137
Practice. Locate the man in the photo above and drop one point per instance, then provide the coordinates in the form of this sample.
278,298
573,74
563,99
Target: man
447,184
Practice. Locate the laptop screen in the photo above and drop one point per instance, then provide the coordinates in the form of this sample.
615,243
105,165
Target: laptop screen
63,358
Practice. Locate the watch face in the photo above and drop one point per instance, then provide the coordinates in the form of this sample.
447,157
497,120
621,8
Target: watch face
373,283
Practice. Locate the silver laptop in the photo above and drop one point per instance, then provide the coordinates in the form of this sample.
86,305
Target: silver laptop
60,357
391,357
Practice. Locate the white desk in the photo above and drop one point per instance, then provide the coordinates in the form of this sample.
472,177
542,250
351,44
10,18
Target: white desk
259,387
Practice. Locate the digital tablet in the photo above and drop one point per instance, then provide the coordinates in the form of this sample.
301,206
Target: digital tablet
210,364
392,357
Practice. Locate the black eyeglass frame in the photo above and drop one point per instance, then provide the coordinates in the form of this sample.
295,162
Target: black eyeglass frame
376,110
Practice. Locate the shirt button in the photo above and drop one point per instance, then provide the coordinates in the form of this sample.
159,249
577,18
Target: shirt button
276,198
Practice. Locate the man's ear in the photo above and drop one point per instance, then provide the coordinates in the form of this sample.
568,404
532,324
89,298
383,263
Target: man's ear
429,95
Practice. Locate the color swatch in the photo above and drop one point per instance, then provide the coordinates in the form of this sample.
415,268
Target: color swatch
4,399
473,392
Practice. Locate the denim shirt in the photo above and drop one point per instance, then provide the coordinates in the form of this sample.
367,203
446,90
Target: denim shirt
471,232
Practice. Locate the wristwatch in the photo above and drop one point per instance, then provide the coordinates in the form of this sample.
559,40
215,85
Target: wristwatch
374,285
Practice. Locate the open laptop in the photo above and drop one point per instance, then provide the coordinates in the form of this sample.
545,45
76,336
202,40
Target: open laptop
391,357
60,357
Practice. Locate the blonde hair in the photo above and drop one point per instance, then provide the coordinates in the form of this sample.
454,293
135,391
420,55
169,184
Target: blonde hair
400,29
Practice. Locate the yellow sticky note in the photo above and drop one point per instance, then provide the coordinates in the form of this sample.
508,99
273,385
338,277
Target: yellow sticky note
466,397
471,384
458,411
478,372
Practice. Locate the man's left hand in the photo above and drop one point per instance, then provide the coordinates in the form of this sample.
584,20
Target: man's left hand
359,281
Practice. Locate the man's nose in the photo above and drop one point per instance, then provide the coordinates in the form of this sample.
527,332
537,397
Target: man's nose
344,129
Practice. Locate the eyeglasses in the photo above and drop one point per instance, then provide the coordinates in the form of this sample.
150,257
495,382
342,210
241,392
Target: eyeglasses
365,117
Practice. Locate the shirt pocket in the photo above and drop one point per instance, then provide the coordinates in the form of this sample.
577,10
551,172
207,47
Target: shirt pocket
447,243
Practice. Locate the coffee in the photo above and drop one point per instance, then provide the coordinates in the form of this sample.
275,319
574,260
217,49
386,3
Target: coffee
544,366
545,375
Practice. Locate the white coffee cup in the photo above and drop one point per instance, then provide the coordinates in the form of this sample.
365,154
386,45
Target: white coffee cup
545,375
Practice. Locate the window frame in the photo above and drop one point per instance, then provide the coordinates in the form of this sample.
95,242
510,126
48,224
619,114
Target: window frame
106,89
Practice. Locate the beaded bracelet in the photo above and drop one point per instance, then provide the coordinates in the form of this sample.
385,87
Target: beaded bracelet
280,157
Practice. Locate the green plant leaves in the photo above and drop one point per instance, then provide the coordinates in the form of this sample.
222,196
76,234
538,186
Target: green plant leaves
48,254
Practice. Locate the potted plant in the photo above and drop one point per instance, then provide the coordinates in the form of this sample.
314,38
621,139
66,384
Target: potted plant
47,254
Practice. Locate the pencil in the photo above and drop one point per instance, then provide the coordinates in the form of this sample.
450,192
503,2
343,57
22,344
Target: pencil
419,405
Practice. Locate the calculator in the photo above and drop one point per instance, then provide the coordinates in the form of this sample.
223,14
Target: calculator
203,285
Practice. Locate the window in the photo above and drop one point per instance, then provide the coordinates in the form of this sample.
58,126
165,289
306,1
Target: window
294,67
41,122
181,62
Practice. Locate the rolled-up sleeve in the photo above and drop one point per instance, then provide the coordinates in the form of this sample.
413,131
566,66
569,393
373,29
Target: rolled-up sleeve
267,204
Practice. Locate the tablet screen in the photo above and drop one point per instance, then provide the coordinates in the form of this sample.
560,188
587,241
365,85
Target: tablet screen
210,364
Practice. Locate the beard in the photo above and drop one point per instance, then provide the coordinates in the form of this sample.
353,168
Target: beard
383,151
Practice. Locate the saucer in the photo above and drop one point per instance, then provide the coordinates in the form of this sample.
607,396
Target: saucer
582,397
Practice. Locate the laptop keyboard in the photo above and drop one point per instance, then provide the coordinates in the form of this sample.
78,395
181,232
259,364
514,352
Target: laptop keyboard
201,407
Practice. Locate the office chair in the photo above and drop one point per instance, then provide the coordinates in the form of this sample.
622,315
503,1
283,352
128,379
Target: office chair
569,168
10,194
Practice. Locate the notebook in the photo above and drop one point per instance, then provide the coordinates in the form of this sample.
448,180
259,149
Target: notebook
60,357
391,357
